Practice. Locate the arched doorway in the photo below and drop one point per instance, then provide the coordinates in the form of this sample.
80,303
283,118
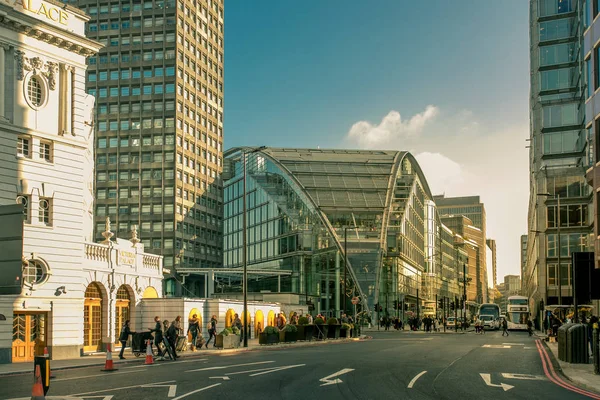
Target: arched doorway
122,310
229,318
259,322
92,318
193,312
271,318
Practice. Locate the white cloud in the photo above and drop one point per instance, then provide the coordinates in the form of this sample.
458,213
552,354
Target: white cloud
391,128
443,174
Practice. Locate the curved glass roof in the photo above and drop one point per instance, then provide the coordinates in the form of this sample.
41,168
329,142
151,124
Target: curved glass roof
348,179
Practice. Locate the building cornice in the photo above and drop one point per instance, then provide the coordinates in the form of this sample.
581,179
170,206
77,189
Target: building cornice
34,28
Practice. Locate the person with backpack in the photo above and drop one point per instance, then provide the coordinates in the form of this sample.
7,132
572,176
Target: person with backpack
212,331
194,329
124,337
504,327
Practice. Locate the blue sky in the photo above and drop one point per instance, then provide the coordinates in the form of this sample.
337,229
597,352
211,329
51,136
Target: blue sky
301,74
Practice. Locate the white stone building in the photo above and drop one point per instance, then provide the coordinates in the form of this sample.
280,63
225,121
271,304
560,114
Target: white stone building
75,294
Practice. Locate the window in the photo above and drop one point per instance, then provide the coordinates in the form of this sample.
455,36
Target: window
556,29
562,142
24,200
35,273
557,54
560,115
35,93
23,147
44,210
553,7
557,79
46,151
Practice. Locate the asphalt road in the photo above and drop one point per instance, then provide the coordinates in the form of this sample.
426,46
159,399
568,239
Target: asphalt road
391,365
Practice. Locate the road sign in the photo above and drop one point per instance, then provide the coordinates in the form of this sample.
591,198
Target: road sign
355,300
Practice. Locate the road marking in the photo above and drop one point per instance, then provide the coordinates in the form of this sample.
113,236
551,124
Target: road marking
327,380
121,388
172,388
515,344
487,378
91,376
528,348
225,378
496,346
187,361
279,369
228,366
196,391
525,377
414,380
247,372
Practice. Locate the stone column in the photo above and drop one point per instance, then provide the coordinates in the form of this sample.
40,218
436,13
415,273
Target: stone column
66,99
3,49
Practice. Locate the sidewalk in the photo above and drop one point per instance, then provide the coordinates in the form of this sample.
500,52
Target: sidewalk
580,374
99,359
406,331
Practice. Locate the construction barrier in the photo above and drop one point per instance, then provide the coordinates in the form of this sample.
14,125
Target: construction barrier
149,356
108,365
38,392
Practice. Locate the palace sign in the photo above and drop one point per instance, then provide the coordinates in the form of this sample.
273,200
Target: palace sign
40,9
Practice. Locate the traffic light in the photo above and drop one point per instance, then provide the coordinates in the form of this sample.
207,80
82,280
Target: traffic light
380,308
441,304
452,305
462,304
542,305
395,304
405,306
376,307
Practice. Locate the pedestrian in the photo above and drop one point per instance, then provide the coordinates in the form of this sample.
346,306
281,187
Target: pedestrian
123,337
310,319
529,327
237,322
504,327
212,331
194,329
158,336
280,321
172,335
178,325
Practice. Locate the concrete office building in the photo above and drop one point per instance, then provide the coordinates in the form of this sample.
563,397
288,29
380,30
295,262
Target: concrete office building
305,207
159,88
523,248
59,289
559,151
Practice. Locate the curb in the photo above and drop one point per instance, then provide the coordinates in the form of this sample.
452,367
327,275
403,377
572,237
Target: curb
276,347
559,370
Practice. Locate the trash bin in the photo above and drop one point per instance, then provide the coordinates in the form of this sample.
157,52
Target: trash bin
562,341
577,344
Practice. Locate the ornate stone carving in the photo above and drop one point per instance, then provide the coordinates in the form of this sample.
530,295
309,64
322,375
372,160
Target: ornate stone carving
38,66
107,233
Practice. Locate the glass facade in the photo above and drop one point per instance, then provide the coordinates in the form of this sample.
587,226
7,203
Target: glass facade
305,207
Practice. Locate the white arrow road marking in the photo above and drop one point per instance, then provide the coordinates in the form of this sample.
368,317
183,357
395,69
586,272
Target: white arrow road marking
327,380
524,377
172,388
414,380
229,366
279,369
496,346
196,391
225,378
487,378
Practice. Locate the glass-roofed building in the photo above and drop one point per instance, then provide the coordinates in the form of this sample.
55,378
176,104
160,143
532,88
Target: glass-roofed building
308,208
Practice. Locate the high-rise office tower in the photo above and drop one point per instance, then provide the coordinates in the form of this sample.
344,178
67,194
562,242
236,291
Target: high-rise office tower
159,88
472,208
558,220
491,243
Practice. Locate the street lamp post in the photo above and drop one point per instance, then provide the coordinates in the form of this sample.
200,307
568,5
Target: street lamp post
245,248
345,265
557,216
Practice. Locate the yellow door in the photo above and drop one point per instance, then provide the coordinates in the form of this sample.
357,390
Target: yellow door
121,315
29,336
92,325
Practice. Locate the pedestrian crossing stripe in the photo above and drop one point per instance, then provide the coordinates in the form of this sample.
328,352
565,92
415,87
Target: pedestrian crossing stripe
496,346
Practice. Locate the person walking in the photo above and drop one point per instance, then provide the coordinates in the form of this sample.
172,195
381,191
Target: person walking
237,323
194,329
212,331
158,335
504,327
529,327
124,337
172,335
